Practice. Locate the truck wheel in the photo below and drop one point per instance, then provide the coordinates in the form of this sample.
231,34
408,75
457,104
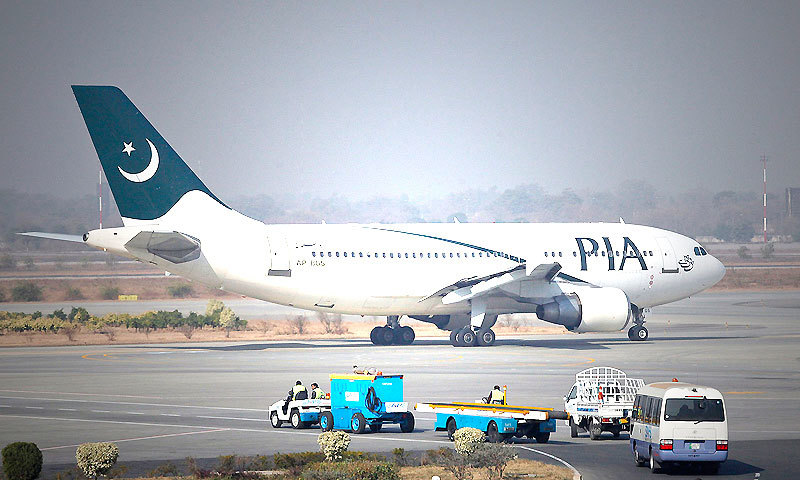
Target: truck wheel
451,428
615,430
573,428
358,423
493,434
294,419
274,420
326,421
375,427
407,423
542,437
595,429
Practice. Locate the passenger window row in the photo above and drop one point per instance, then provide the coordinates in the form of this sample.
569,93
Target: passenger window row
602,253
412,255
647,409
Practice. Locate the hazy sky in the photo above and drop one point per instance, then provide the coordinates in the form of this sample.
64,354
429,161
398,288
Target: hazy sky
389,98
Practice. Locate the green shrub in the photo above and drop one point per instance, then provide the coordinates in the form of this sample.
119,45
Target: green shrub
743,252
180,291
109,293
467,440
22,461
79,315
357,470
296,461
400,456
26,292
493,457
96,459
74,293
333,444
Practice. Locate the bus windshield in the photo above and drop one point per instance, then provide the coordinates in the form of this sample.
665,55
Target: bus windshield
694,410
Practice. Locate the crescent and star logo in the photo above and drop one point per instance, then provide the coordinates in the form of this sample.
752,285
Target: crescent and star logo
149,171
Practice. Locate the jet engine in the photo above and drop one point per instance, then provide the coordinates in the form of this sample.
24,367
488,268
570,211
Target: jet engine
588,309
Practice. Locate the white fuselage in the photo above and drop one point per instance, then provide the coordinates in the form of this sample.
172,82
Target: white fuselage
390,269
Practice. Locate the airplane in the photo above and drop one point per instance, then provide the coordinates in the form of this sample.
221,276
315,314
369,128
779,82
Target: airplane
588,277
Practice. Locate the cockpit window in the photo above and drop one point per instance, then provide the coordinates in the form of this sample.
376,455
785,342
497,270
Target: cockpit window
703,251
697,251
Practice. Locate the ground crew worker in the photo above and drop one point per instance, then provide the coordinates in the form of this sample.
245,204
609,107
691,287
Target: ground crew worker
298,392
496,396
316,392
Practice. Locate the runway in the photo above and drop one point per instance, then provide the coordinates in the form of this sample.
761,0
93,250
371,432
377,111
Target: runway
167,402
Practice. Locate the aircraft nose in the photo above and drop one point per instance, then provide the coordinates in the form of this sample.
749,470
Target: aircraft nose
717,271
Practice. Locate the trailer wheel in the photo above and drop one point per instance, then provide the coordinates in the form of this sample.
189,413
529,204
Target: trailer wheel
274,420
542,437
375,427
326,421
358,423
407,423
451,428
493,434
294,419
573,428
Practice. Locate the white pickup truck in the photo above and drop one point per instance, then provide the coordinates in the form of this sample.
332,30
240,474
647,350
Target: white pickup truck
601,400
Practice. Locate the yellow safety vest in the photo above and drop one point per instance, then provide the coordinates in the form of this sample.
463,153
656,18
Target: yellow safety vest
296,389
496,397
317,393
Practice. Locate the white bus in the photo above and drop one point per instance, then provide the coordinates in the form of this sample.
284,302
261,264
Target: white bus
674,422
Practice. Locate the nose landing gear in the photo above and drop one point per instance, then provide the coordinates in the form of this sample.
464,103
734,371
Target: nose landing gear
638,332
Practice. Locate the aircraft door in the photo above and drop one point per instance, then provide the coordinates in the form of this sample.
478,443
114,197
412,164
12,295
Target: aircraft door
669,262
280,263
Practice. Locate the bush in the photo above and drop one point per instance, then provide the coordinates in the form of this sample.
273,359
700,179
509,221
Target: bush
357,470
298,324
400,456
768,250
467,440
458,465
331,323
743,252
26,292
96,459
493,457
73,294
180,291
29,265
22,461
109,293
333,444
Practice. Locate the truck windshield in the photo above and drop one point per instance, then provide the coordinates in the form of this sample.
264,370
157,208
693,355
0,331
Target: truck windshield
694,410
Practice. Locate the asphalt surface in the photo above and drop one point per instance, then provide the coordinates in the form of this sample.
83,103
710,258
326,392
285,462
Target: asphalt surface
166,402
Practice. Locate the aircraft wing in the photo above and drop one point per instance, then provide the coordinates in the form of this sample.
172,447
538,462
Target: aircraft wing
471,287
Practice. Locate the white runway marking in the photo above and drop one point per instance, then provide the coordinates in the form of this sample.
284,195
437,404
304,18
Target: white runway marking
67,409
5,406
135,403
144,438
575,472
100,411
234,418
36,408
170,415
72,393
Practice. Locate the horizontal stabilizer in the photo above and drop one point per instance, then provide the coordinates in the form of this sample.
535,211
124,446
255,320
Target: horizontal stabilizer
54,236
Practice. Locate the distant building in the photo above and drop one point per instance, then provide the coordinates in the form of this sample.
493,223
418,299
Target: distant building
793,201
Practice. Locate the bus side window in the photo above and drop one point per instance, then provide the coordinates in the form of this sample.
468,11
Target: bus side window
648,416
657,416
636,407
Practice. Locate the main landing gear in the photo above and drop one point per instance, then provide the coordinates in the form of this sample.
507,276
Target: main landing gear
392,333
638,332
467,337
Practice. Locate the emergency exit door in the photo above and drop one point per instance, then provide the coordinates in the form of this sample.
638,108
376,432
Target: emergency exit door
279,261
669,261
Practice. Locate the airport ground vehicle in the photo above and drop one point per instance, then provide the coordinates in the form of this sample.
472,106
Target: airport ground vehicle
676,422
498,422
299,413
600,401
361,401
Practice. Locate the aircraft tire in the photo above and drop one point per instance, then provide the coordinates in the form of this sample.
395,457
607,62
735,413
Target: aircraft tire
453,338
632,333
405,336
385,336
642,334
373,336
468,338
459,338
486,338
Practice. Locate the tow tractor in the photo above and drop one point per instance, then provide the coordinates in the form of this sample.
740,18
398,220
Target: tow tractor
601,400
299,413
361,401
498,422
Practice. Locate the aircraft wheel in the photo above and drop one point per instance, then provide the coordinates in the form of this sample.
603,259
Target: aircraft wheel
453,338
405,336
459,338
373,335
641,334
385,336
486,338
468,338
632,333
274,420
326,421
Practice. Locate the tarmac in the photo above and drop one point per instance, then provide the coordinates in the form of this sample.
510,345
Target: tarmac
166,402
